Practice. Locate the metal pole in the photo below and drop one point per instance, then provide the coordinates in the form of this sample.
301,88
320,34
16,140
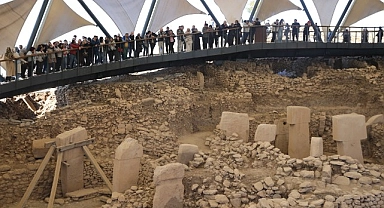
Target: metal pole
340,20
254,10
98,23
37,24
311,20
210,13
150,12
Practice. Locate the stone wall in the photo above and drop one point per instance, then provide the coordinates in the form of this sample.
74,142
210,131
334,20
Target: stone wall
156,108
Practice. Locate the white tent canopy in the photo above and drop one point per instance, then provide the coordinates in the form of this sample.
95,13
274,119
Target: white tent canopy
362,9
124,13
268,8
232,10
56,25
13,15
168,10
325,9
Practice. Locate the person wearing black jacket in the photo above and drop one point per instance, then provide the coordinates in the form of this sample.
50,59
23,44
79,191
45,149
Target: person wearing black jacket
139,45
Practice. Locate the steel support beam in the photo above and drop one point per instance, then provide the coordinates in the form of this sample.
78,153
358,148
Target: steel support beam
340,20
311,20
149,16
254,10
90,13
37,24
210,13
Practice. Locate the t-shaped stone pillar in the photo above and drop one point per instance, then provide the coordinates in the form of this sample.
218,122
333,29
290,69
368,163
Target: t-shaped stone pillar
235,123
348,130
298,118
126,165
169,191
72,168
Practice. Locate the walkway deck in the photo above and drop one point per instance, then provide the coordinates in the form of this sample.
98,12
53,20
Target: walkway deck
258,50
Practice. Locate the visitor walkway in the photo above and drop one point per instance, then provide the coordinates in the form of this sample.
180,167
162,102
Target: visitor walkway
257,50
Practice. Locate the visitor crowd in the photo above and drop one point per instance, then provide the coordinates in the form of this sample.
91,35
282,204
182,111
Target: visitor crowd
86,51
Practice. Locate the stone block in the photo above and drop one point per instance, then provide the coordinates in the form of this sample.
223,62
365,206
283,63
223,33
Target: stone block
129,149
169,195
125,174
235,123
282,126
375,119
316,146
169,190
281,142
349,127
298,115
126,166
265,133
298,146
38,148
72,175
69,137
200,78
186,153
170,171
352,149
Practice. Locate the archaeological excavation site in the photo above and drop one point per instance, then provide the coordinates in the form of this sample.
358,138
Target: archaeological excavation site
258,133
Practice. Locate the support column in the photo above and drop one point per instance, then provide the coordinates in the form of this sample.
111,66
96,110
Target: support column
254,10
340,20
90,13
149,16
210,12
311,20
37,24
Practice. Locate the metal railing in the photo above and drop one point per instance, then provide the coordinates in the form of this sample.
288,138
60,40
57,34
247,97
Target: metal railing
84,56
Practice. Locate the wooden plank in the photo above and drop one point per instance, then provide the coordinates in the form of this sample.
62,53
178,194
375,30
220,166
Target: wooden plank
55,180
36,177
99,170
75,145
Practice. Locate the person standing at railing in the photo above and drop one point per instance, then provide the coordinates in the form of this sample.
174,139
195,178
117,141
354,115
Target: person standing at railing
217,35
205,31
125,45
316,33
167,40
161,37
188,40
40,59
246,28
379,35
287,32
180,38
224,33
59,56
72,54
146,44
252,30
139,45
364,35
111,48
51,58
103,51
172,41
95,43
119,47
196,34
280,31
237,27
231,34
152,41
306,32
84,52
275,30
64,59
211,37
295,30
131,44
346,36
31,61
24,66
